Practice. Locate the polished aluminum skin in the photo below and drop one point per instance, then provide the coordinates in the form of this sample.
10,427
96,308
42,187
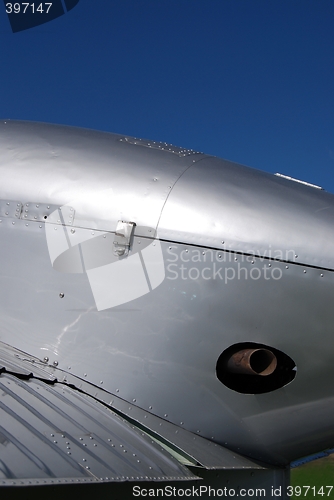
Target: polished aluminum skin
247,258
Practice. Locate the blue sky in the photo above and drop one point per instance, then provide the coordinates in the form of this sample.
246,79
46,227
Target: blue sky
247,80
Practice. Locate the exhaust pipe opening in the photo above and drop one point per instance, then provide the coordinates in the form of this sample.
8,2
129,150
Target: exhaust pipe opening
253,362
251,368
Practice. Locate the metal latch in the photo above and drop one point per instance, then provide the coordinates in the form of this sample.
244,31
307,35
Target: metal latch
122,240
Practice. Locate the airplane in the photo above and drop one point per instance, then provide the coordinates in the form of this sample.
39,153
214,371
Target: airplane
166,319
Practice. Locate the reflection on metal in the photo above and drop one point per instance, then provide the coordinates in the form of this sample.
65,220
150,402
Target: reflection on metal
253,362
123,235
299,181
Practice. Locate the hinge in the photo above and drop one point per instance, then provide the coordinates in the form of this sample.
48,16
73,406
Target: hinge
122,240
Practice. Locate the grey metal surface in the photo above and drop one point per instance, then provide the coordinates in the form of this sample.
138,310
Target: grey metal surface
223,205
159,351
200,451
91,171
10,208
54,434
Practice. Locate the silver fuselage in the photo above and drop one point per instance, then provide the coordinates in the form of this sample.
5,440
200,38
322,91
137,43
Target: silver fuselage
248,257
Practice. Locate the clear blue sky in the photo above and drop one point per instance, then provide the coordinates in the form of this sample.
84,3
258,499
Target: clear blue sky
247,80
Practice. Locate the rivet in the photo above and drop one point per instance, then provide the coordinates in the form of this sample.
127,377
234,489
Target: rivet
322,275
223,242
166,415
13,223
55,229
85,374
61,295
286,267
134,400
7,203
46,359
296,256
252,261
101,381
235,258
150,407
72,231
55,363
47,207
269,265
27,225
93,232
37,206
41,227
304,271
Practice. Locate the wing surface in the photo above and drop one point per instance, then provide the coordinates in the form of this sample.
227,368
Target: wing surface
56,428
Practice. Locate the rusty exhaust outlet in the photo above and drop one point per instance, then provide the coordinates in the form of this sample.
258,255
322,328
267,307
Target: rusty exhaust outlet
252,362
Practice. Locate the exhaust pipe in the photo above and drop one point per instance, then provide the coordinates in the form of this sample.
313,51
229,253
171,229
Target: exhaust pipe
252,362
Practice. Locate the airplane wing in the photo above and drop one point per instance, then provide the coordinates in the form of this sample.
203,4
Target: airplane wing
57,429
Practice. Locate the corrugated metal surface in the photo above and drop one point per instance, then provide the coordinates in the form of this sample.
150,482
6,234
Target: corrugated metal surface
51,433
188,447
